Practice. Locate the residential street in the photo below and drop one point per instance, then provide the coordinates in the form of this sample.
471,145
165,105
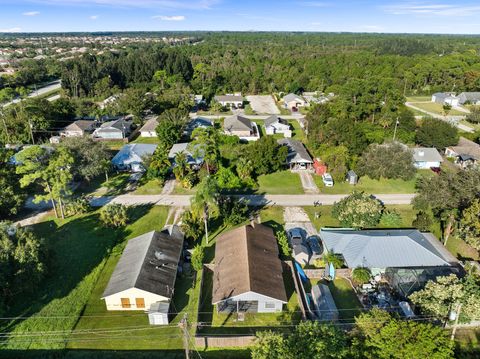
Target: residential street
55,85
255,200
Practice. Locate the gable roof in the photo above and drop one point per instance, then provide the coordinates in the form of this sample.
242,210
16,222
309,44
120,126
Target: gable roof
469,97
296,151
183,147
80,125
246,260
237,123
116,125
466,147
274,119
150,125
426,154
133,152
392,248
149,262
292,97
443,95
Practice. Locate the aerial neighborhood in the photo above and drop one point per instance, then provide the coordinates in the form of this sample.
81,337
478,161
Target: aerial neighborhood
194,195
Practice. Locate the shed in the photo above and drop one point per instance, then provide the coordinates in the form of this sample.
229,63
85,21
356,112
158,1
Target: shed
325,307
158,313
352,177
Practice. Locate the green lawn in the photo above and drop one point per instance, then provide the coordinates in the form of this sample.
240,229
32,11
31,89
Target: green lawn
344,296
80,247
436,108
297,132
149,187
283,182
419,98
368,185
325,218
100,187
178,189
460,249
147,140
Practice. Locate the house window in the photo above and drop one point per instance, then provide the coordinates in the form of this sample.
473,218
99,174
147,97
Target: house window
125,302
140,302
269,305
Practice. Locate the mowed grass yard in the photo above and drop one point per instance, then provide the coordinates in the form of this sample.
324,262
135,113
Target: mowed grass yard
436,108
283,182
80,250
368,185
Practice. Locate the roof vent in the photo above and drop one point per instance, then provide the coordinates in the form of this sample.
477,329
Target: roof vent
421,153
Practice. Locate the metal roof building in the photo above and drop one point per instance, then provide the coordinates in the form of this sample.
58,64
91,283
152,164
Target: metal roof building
389,248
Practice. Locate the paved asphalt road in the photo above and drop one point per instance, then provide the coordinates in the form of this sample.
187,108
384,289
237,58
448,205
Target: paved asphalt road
440,117
55,85
255,200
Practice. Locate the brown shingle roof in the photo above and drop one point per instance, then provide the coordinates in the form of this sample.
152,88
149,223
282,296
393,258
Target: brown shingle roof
246,260
467,147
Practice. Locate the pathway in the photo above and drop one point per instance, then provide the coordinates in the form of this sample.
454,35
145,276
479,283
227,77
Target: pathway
308,184
168,186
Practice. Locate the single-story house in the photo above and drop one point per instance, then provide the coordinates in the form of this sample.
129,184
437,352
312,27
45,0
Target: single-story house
406,258
274,124
149,128
108,101
445,98
472,98
78,128
424,157
131,156
466,153
248,274
292,100
114,130
198,122
242,127
230,100
380,249
315,97
144,278
297,157
192,159
325,308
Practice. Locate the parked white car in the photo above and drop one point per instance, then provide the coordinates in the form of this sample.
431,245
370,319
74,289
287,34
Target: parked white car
327,180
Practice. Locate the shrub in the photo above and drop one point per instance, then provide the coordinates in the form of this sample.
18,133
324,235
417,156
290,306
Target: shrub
79,205
285,250
198,255
423,221
358,210
361,275
114,215
391,219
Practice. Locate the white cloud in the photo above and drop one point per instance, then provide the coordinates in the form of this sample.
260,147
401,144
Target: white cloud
169,18
430,9
93,17
371,28
31,13
12,29
169,4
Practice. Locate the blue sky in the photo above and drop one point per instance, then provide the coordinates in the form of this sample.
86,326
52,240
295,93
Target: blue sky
454,16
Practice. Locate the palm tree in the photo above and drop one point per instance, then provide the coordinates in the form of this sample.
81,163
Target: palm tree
205,144
181,168
205,202
333,258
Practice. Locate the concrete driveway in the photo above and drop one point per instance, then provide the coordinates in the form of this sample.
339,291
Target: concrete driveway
263,104
308,184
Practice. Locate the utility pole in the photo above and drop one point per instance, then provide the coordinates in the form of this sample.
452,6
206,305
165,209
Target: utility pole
31,131
454,330
184,327
395,130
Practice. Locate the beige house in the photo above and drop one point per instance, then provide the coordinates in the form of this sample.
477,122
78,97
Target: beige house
242,127
144,278
78,128
292,100
149,128
466,153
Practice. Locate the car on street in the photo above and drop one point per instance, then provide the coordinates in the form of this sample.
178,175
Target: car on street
327,180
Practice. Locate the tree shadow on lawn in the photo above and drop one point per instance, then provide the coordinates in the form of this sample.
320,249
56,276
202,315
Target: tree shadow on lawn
75,247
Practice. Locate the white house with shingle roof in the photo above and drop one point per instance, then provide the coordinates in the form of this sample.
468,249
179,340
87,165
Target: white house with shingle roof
425,157
144,278
275,124
149,128
230,100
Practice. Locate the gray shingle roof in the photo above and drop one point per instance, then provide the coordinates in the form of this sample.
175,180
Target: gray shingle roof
292,97
80,125
237,123
394,248
466,147
274,119
228,98
469,97
150,125
297,153
425,154
149,262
